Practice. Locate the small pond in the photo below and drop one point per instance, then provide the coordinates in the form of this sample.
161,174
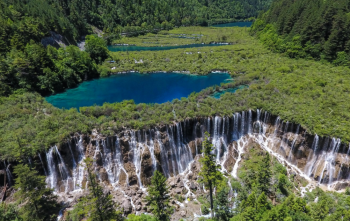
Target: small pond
142,88
234,24
116,48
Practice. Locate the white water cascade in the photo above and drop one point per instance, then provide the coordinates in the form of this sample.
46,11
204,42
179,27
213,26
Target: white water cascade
172,149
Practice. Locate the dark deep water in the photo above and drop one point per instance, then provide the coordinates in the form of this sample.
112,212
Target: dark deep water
234,24
116,48
142,88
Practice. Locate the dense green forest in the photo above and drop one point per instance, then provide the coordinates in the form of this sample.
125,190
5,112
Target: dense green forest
26,64
307,29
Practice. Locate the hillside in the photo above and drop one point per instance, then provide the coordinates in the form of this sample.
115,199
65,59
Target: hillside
314,29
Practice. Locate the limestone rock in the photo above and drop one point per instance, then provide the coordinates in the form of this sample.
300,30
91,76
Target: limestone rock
126,205
103,174
183,213
146,167
193,186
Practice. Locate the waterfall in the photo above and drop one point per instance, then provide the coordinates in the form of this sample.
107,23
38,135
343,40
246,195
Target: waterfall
151,149
63,169
242,124
326,161
216,137
137,156
293,143
79,173
250,122
164,155
119,162
108,161
312,158
184,149
74,173
173,151
52,178
8,174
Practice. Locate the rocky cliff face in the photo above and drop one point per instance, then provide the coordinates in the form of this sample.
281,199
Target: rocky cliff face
125,162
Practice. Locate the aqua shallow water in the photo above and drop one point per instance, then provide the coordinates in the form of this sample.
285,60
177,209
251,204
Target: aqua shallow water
234,24
218,94
142,88
116,48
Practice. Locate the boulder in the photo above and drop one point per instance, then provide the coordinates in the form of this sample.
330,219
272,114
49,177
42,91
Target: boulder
178,190
126,205
103,174
193,186
183,213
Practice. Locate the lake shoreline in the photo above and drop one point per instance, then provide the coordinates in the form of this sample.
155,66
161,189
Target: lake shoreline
155,87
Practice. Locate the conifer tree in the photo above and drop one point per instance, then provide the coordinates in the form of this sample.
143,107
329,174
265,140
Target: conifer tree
97,205
210,174
37,201
222,206
264,175
158,197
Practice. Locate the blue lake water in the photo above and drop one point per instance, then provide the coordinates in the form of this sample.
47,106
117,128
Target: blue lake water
116,48
142,88
234,24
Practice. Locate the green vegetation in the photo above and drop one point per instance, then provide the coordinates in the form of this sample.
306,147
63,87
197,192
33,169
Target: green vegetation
183,36
158,197
277,200
97,205
210,175
44,70
314,29
9,212
311,93
37,201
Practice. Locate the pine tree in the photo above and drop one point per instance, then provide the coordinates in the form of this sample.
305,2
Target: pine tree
97,205
158,197
264,175
210,174
37,201
222,205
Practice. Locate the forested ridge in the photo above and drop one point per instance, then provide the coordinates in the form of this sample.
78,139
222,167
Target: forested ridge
314,29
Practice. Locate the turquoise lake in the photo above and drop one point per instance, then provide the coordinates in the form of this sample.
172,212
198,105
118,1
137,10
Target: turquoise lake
234,24
142,88
116,48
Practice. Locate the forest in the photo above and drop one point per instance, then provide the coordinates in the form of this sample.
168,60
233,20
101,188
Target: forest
27,65
305,82
314,29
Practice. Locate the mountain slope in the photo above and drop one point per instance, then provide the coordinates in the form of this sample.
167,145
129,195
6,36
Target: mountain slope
316,29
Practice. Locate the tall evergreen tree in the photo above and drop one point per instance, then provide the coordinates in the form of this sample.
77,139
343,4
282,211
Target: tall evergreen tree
264,174
209,174
222,206
37,201
158,197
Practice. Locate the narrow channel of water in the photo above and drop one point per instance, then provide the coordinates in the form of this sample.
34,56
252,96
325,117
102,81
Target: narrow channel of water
142,88
234,24
116,48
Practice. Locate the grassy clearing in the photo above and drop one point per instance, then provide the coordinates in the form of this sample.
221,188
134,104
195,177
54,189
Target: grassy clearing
186,35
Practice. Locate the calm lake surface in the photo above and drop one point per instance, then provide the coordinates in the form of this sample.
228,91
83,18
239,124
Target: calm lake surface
234,24
142,88
116,48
